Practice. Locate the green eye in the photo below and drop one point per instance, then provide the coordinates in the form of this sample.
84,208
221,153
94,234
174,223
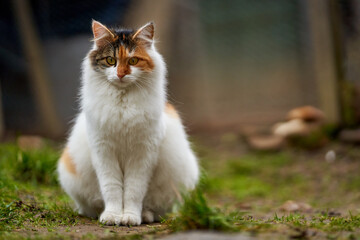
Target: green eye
133,61
110,60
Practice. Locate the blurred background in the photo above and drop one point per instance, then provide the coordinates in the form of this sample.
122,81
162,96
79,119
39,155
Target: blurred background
233,65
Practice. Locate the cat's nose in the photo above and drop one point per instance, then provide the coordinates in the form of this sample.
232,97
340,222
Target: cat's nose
121,75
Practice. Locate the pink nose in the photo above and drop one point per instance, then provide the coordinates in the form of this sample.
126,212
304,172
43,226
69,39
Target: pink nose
121,75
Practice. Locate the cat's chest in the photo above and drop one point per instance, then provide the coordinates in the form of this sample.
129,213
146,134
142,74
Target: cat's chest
122,117
128,128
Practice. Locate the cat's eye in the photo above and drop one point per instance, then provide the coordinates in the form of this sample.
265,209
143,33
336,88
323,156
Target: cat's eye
110,60
133,61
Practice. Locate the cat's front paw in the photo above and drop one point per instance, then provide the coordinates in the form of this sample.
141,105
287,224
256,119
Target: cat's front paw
110,218
130,219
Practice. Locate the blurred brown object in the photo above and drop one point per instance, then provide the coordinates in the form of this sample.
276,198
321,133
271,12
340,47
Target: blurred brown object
266,142
293,206
306,113
302,121
28,142
295,127
302,128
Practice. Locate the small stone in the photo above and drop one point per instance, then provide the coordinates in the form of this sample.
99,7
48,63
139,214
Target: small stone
330,156
292,206
304,207
331,213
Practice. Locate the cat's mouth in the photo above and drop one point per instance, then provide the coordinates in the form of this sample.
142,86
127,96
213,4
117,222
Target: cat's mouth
121,82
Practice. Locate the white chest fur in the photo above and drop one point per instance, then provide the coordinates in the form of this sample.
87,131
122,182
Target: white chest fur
128,154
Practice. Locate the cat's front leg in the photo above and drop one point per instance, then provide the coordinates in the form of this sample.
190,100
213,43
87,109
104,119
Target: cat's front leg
136,180
110,179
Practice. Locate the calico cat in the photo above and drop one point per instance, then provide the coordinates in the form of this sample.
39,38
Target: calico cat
127,156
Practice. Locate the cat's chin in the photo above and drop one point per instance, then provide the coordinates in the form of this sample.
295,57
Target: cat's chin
121,84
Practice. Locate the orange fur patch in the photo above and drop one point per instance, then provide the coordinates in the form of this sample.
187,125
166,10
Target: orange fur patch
171,111
145,62
123,67
67,160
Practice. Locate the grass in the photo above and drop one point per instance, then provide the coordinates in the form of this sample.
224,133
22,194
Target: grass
238,176
32,166
290,174
195,213
241,191
30,197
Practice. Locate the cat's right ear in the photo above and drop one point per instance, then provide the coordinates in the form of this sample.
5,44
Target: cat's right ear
145,34
100,32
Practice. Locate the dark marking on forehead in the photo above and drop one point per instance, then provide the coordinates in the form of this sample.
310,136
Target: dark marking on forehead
124,38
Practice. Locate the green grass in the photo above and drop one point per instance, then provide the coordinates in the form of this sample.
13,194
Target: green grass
32,166
320,221
255,176
31,199
195,213
287,175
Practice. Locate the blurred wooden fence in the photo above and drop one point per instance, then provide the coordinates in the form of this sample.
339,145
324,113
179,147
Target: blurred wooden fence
232,64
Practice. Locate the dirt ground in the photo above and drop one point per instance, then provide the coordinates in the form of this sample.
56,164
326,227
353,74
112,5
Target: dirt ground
293,193
87,228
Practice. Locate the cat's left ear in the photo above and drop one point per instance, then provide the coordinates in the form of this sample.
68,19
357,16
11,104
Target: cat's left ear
100,32
145,34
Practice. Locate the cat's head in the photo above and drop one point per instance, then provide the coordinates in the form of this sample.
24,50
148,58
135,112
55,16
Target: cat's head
122,56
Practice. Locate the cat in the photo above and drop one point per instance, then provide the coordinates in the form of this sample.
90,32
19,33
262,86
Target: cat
127,156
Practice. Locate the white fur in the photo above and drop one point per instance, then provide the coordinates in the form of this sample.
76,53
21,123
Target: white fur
131,157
